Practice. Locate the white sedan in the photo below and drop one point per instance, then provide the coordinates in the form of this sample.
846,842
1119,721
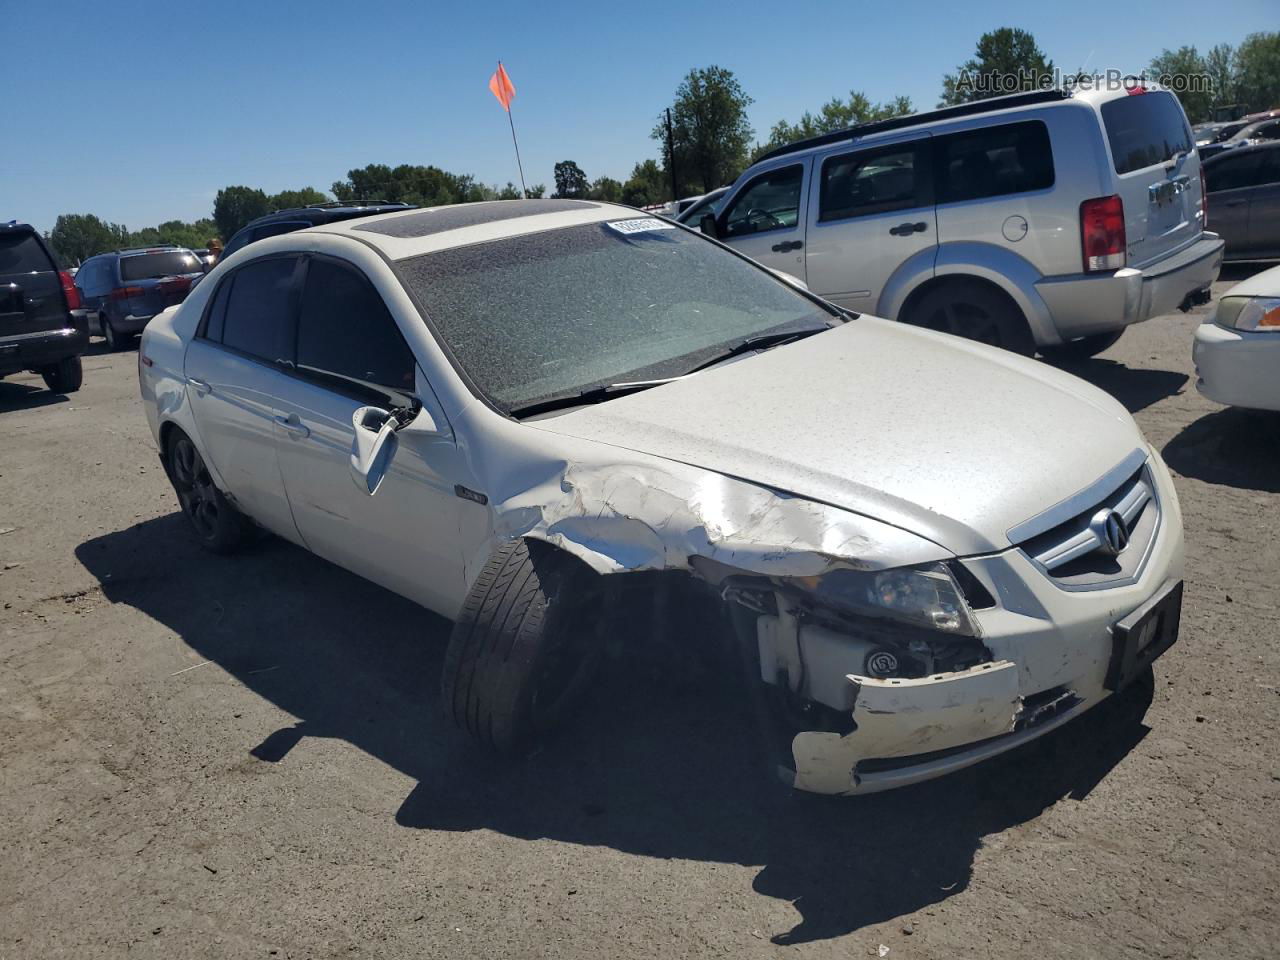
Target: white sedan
1237,348
527,415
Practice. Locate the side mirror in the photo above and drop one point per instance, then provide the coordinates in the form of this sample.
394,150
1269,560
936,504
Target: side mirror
375,431
709,226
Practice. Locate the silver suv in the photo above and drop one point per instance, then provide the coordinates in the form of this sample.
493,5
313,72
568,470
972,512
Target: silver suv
1048,220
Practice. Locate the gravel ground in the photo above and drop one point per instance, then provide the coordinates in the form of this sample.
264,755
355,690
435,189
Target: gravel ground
245,757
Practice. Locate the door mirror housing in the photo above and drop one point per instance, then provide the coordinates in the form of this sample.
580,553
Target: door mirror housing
423,425
375,431
709,226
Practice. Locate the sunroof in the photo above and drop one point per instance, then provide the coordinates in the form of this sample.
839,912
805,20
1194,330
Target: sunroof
460,215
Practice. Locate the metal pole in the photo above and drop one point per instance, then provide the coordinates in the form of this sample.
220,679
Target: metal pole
671,158
519,166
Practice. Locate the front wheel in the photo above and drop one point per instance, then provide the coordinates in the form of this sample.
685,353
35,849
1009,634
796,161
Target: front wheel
65,376
523,647
1082,348
219,526
974,311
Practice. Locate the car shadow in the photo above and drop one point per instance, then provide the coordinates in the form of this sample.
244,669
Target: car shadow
1231,447
651,767
24,396
1135,388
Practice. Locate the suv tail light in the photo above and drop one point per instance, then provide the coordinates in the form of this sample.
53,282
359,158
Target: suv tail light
124,293
69,290
1102,233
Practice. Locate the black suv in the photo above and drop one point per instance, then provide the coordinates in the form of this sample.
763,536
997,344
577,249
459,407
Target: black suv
42,328
287,221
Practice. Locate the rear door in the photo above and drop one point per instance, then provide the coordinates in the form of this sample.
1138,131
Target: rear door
31,299
872,210
236,368
765,219
1157,172
1232,180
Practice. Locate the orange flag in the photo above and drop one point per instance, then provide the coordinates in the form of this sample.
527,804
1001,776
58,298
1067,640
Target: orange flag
502,87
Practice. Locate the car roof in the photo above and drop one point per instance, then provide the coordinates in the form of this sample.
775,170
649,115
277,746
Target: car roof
426,230
1241,151
13,226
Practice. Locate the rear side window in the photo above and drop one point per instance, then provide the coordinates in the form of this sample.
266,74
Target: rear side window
875,181
22,253
258,313
345,330
1145,129
149,266
218,310
994,161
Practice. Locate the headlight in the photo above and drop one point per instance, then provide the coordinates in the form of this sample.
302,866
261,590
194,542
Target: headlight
926,596
1249,313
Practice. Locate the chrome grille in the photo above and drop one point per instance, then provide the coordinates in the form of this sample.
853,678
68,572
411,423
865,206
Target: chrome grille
1081,554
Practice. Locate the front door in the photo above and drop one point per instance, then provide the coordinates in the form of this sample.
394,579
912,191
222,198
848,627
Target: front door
765,219
234,372
350,354
1232,182
872,211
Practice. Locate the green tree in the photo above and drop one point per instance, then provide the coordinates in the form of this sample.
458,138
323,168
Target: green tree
1219,64
536,192
77,236
1175,68
571,182
710,129
233,207
648,185
605,189
836,114
1006,61
408,183
289,199
193,235
1257,69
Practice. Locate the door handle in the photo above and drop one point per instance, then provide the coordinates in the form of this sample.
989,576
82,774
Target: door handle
293,426
202,388
787,246
906,229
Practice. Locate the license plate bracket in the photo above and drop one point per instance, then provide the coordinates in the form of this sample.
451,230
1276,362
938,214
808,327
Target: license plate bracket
1143,635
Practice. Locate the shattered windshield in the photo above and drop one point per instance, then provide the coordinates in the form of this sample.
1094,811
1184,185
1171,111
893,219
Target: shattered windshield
550,314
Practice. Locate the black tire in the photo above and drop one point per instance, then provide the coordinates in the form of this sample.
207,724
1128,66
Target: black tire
523,648
116,341
974,311
1083,348
65,376
218,525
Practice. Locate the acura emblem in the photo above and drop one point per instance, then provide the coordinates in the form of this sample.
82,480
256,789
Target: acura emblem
1108,526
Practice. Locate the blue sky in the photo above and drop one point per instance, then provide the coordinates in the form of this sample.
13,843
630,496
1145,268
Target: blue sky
140,112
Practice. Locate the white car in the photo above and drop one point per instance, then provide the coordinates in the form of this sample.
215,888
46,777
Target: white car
525,415
1237,348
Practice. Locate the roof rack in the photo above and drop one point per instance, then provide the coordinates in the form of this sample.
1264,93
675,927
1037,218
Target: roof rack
916,119
334,204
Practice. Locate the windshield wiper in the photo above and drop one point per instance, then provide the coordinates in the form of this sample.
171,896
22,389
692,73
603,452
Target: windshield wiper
762,342
597,394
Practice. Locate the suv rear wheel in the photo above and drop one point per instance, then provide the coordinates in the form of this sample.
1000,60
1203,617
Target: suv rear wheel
974,311
65,376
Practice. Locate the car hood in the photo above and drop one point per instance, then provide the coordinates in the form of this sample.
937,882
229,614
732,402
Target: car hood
948,439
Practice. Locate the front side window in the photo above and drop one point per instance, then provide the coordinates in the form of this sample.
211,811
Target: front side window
874,181
994,161
1145,129
151,266
550,314
345,330
258,310
769,202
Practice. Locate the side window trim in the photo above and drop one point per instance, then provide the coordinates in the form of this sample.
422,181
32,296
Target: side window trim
920,145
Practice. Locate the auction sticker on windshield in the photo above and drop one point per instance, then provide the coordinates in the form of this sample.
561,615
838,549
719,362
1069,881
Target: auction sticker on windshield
641,225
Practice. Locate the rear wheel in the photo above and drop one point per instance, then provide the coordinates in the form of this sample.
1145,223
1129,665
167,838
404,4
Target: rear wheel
114,339
1082,348
524,647
974,311
219,526
65,376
